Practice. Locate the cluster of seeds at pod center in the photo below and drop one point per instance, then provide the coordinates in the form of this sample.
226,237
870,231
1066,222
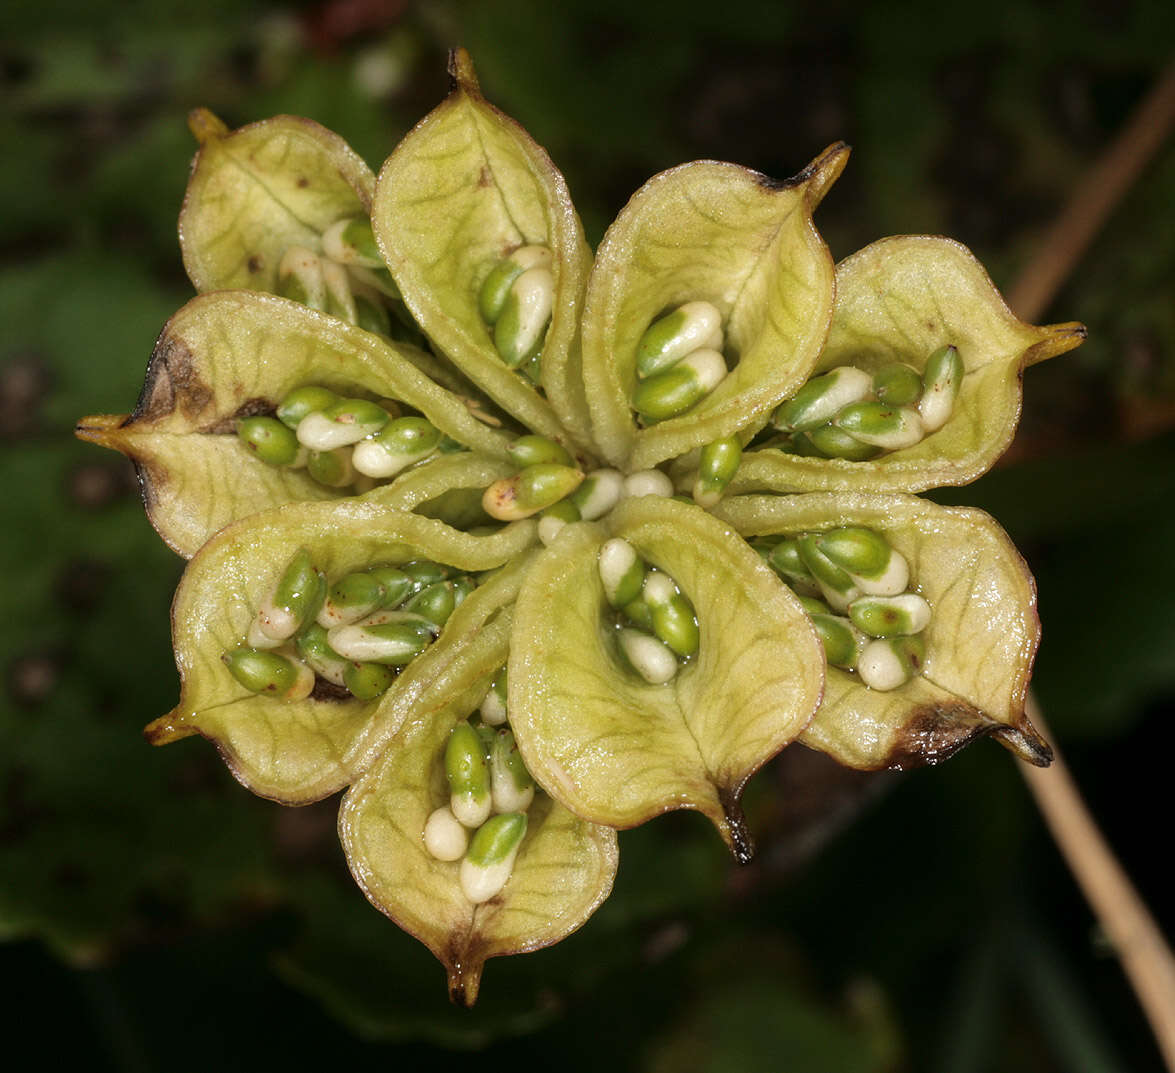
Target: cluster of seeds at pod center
657,629
515,301
342,442
347,279
855,588
490,790
678,362
357,633
849,414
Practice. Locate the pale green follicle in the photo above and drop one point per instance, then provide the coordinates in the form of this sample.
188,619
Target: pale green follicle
532,450
396,639
529,491
351,598
304,400
647,482
350,241
622,572
315,650
489,861
400,444
679,388
887,663
837,585
493,706
821,398
888,427
468,775
512,787
898,384
828,441
522,324
271,673
366,681
718,462
300,278
445,837
342,424
496,287
941,379
842,641
435,603
651,658
599,492
890,616
674,621
331,468
269,440
692,326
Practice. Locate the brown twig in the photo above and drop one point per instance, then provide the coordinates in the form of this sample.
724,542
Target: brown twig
1094,199
1136,939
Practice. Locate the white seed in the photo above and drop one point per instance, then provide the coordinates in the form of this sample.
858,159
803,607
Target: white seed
306,266
701,328
304,683
481,882
534,291
320,433
338,289
493,711
838,601
648,482
617,559
708,365
935,408
444,836
549,528
652,660
278,623
372,458
892,580
658,588
604,488
472,809
528,257
506,795
256,638
880,667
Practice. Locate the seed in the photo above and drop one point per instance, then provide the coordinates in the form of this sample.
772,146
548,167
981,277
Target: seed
888,427
856,549
890,616
674,621
352,242
842,643
941,381
679,388
435,603
529,491
400,444
812,606
315,650
890,662
270,672
490,860
468,775
351,598
898,384
366,681
341,424
653,660
372,315
621,570
492,296
445,837
600,491
836,584
639,614
425,572
522,323
512,787
393,641
302,401
785,559
647,482
269,440
294,601
462,587
340,301
299,276
331,468
828,441
821,398
533,450
397,585
692,326
717,464
493,707
554,518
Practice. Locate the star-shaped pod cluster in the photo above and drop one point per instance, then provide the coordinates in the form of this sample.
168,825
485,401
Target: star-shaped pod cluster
520,545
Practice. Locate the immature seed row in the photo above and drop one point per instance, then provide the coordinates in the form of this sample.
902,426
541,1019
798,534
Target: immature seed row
847,413
515,301
657,629
490,790
678,362
357,633
339,441
854,587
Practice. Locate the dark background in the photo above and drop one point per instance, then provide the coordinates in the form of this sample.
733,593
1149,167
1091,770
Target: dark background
158,917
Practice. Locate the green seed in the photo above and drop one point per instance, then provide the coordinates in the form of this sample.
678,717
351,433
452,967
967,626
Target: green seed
314,648
351,598
352,242
679,388
512,787
856,549
269,440
366,681
888,427
829,441
600,491
425,572
435,603
941,381
490,859
341,424
819,400
463,587
898,384
837,585
890,662
493,707
785,559
890,616
622,572
492,296
393,641
372,315
522,324
717,464
400,444
812,606
277,675
302,401
564,510
842,643
468,775
397,585
639,614
331,468
674,621
534,450
529,491
294,601
692,326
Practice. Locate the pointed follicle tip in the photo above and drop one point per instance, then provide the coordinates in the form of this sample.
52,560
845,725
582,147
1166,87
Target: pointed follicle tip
737,836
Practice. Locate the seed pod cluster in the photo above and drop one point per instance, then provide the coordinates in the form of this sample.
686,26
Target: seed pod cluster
678,362
490,790
657,629
515,301
341,442
855,588
357,633
849,414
